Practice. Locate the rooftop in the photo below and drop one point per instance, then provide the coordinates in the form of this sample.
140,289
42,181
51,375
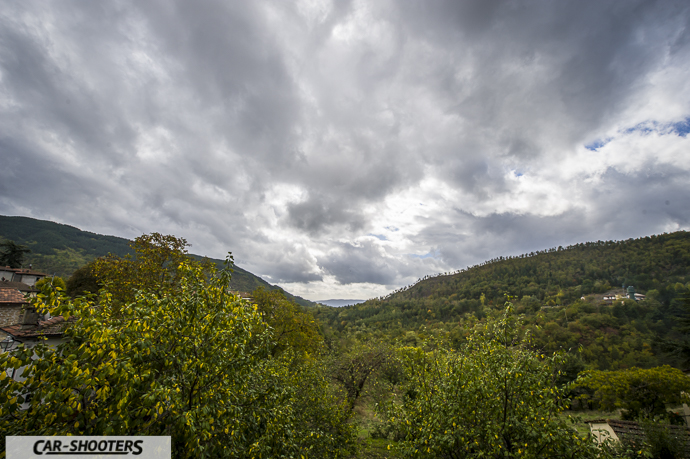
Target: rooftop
53,327
21,286
11,295
22,271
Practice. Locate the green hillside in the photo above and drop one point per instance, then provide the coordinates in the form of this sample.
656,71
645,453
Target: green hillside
561,292
62,249
561,275
57,248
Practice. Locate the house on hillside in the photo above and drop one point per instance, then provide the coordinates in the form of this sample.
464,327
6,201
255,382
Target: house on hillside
629,293
30,330
25,289
12,303
13,296
25,276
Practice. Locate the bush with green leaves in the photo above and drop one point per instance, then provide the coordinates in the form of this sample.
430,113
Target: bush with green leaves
193,363
293,328
639,392
493,398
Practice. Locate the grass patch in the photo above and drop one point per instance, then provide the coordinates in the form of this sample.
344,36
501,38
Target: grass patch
369,447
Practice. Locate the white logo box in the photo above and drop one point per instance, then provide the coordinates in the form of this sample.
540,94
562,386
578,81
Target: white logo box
87,447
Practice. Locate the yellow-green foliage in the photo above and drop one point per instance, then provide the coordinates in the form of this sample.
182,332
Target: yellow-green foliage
640,392
292,327
193,362
153,267
54,282
493,398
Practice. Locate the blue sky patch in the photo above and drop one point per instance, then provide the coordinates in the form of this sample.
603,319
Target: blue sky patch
597,144
644,128
681,128
432,254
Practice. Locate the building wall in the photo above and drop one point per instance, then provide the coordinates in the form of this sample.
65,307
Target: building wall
10,314
28,279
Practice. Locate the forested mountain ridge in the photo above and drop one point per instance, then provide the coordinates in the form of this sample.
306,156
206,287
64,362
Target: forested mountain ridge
56,248
560,292
561,275
62,249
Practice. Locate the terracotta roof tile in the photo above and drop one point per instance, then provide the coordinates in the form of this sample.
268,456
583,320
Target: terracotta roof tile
54,326
12,296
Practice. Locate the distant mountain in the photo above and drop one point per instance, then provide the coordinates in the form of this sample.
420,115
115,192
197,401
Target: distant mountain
62,249
339,303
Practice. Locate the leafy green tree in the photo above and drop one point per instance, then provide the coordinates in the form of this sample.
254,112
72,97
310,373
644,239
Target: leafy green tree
640,392
679,344
12,254
494,398
354,369
152,268
292,327
193,363
55,282
83,281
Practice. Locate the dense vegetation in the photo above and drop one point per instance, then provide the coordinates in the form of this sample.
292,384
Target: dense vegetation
56,248
12,254
562,275
167,349
440,369
560,292
495,397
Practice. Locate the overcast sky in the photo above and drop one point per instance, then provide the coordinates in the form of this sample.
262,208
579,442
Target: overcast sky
344,149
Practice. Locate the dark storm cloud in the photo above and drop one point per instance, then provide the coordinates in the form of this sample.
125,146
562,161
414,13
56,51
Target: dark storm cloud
314,216
293,264
229,60
293,272
47,94
558,69
219,63
634,204
351,264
